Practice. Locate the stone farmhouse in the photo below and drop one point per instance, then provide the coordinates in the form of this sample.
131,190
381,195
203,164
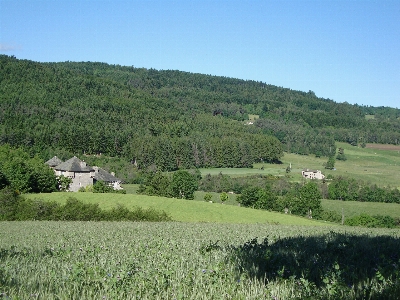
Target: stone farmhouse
312,174
81,174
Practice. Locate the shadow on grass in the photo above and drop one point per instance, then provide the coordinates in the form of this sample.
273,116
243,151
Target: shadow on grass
353,262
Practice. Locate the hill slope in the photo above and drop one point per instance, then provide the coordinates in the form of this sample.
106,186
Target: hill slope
172,119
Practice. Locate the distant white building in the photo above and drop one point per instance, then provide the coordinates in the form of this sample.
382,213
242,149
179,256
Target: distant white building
312,174
81,174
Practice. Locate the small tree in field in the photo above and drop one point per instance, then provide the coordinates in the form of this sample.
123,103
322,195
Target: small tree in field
330,164
183,185
310,199
223,197
207,197
341,155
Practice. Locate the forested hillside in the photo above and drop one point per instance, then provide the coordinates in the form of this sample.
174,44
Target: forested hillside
173,119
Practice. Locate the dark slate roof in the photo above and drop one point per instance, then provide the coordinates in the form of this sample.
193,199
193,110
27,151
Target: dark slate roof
52,162
103,175
74,165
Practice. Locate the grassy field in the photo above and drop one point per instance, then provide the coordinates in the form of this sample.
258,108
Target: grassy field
375,166
350,208
183,210
240,172
353,208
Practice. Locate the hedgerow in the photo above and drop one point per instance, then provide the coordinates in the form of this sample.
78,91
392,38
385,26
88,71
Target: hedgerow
14,207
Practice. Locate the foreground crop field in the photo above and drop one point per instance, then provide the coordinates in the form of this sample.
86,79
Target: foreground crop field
119,260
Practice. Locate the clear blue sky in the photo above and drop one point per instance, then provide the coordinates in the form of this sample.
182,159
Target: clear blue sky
343,50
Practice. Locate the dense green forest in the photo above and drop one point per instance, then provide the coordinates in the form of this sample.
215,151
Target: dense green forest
173,119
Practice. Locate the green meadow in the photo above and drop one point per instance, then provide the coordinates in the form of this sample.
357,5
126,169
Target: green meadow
354,208
184,210
381,167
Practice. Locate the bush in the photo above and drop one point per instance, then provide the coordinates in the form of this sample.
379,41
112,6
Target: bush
329,215
207,197
121,213
9,202
257,198
102,187
75,210
223,197
341,157
371,221
38,210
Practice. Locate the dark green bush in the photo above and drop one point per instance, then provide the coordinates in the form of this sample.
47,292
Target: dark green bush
121,213
371,221
102,187
37,210
9,202
329,215
75,210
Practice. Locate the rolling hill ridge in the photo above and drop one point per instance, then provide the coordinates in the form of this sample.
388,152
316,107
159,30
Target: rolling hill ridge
173,119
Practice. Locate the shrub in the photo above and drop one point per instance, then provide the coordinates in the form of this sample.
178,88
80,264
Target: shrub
371,221
38,210
257,198
102,187
9,202
329,215
207,197
223,197
75,210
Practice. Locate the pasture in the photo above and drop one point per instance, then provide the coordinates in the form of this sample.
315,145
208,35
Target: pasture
349,208
374,164
131,260
183,210
354,208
